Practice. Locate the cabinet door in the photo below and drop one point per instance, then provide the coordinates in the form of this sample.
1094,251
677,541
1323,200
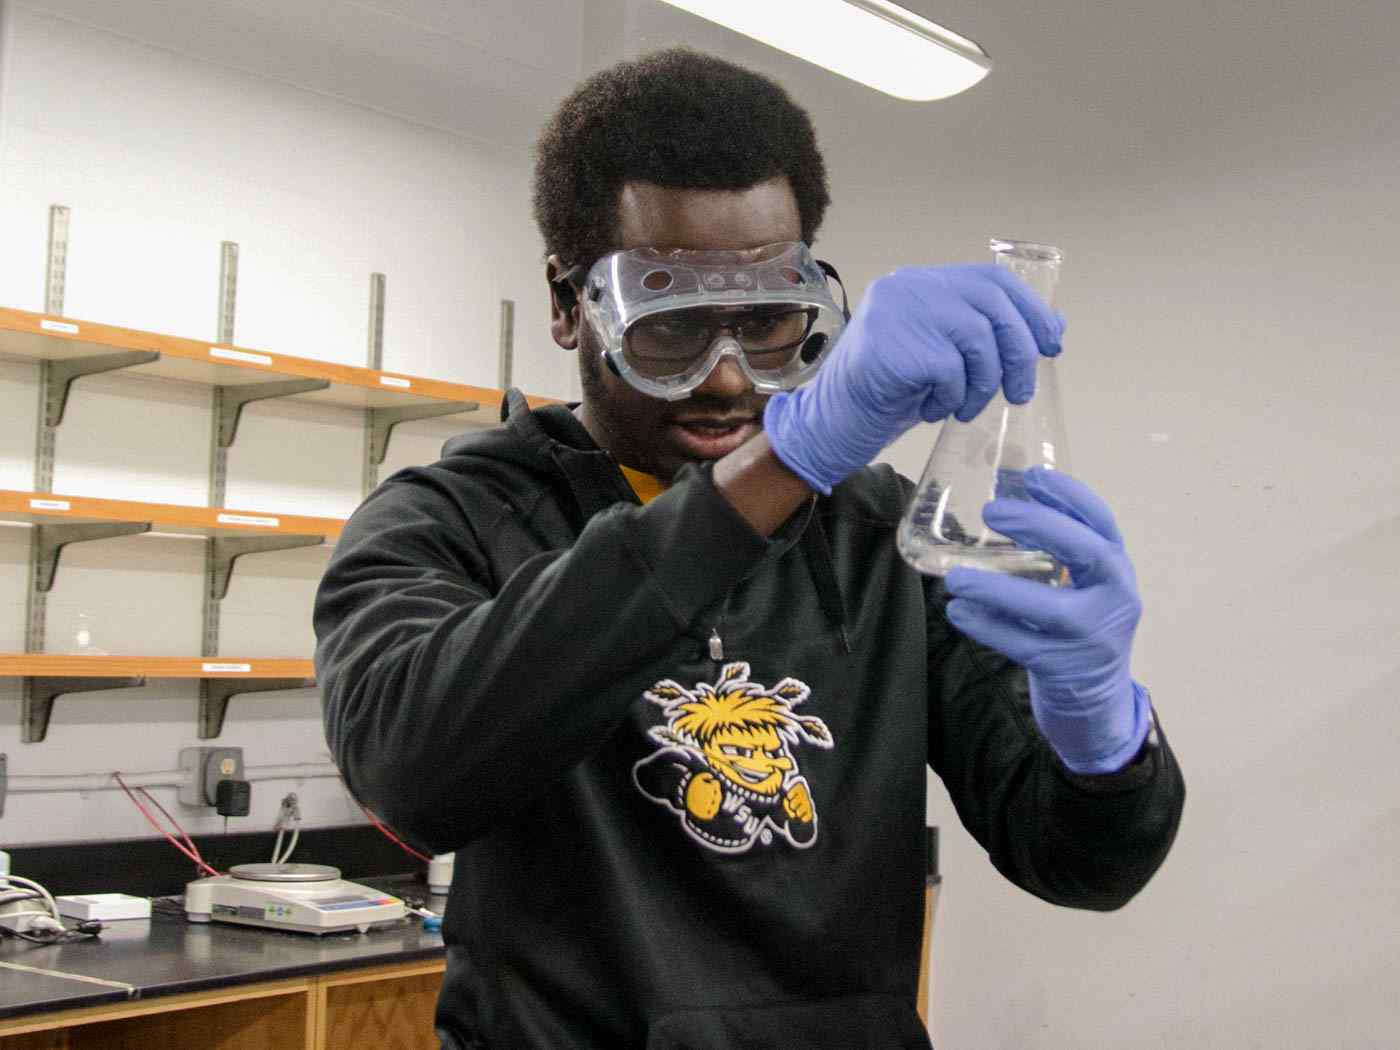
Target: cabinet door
390,1012
279,1022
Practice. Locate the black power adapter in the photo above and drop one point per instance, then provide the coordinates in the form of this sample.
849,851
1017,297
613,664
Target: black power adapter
233,798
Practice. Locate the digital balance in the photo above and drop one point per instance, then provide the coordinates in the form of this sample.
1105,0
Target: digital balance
309,898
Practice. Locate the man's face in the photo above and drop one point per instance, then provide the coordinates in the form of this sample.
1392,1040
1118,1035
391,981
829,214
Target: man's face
647,433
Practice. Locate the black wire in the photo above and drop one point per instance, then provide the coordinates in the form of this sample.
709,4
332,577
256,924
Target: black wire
66,937
88,929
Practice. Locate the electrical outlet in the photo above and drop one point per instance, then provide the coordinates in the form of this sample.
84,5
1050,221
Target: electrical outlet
204,767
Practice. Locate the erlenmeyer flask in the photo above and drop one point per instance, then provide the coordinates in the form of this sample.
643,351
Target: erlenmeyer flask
987,457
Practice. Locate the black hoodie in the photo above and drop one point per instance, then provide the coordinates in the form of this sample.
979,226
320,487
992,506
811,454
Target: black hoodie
681,765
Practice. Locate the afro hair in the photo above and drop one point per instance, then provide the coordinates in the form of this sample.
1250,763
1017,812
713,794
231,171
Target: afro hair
677,118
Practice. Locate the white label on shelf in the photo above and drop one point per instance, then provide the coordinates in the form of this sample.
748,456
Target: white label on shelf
247,519
395,381
240,355
226,668
50,504
58,326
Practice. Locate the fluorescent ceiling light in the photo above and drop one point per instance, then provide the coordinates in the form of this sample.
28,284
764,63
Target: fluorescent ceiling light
875,42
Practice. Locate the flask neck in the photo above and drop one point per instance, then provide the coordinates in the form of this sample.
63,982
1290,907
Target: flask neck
1036,264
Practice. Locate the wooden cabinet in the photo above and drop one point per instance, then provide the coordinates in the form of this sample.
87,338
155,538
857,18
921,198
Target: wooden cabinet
379,1011
382,1008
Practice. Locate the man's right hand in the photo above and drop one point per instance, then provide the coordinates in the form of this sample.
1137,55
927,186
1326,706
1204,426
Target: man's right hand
924,343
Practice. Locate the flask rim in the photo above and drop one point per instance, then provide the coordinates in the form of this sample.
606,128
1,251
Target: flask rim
1030,250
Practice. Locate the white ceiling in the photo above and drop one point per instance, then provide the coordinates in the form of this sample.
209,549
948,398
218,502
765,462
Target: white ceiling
1145,82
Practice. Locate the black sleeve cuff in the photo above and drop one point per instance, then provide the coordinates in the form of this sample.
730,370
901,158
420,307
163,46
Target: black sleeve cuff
1137,773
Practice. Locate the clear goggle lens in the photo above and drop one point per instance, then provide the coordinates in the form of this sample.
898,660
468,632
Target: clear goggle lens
772,338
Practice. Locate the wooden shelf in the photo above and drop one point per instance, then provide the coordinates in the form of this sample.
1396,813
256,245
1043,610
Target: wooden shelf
61,665
42,508
47,676
43,337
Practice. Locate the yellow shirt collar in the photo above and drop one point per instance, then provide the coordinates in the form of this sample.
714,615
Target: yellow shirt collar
645,486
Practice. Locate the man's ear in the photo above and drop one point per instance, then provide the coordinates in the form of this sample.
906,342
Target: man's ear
564,320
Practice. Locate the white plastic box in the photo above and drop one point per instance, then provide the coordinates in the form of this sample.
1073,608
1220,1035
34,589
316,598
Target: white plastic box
105,907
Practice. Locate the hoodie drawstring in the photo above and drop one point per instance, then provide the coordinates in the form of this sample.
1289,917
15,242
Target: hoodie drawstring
823,570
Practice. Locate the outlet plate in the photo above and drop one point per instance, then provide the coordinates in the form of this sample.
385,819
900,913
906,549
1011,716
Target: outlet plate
204,767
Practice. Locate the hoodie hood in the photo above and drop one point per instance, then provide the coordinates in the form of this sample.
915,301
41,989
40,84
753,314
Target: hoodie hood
551,442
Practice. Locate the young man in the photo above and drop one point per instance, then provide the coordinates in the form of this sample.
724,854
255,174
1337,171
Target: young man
652,666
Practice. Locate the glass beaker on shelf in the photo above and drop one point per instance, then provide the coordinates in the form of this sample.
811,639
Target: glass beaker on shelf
83,644
988,456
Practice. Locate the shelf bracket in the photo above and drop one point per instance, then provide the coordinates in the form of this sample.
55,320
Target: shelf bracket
55,280
49,541
383,420
229,401
59,376
215,693
505,362
40,693
226,550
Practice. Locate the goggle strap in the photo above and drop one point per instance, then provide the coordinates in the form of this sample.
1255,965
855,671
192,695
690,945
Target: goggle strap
612,365
830,271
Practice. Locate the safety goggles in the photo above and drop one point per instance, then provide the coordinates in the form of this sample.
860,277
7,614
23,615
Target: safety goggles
665,319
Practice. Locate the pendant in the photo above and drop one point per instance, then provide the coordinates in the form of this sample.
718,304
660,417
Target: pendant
716,645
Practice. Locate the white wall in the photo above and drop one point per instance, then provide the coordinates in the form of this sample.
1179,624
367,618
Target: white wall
161,155
1222,183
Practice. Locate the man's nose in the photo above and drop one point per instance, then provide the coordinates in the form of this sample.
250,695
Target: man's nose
726,379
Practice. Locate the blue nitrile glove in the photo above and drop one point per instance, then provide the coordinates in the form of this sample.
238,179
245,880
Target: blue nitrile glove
1074,642
923,343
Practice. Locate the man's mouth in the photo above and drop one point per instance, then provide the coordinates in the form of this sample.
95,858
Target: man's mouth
711,437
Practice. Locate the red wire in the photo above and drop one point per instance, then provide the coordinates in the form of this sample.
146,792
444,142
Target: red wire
192,852
400,842
166,813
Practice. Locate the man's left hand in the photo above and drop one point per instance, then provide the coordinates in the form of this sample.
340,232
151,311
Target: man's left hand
1074,642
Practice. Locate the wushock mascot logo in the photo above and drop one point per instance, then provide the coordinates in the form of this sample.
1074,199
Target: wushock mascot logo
725,763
